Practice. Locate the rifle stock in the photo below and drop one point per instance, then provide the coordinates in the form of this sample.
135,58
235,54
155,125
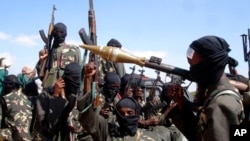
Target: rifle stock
43,66
84,37
43,36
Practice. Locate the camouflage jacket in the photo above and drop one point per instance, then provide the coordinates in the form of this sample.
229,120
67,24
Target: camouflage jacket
109,66
17,112
62,56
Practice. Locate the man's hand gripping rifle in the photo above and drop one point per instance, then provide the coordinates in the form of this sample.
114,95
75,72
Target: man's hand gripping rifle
46,63
93,58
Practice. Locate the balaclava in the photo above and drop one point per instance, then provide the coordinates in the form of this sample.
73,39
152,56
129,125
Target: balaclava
71,78
109,91
59,33
128,124
214,51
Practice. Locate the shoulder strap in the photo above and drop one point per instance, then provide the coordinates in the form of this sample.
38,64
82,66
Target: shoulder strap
231,92
216,94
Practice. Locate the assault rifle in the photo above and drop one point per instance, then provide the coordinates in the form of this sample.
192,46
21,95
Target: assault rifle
138,86
246,95
245,50
149,109
44,38
130,80
152,90
47,40
91,40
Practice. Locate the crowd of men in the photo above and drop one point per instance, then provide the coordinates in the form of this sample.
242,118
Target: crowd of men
72,107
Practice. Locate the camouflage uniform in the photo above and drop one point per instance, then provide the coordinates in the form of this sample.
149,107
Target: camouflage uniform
17,118
63,55
106,66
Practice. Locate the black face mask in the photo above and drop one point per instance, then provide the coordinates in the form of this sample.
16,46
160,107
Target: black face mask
71,86
71,77
59,33
128,124
206,74
110,92
7,89
10,83
59,36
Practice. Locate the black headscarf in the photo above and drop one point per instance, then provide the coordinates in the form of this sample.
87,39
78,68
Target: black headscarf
59,33
10,83
128,124
114,43
31,88
112,77
71,78
109,91
214,51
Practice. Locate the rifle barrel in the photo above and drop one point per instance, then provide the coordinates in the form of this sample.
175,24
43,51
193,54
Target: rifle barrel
91,7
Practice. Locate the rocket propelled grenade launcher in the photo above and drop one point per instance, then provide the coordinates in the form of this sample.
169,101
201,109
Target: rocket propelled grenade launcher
118,55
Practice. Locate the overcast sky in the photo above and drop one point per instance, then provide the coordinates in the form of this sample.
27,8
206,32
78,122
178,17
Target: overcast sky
160,28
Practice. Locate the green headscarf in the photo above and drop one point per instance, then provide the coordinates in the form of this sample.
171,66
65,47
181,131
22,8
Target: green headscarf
22,80
3,73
